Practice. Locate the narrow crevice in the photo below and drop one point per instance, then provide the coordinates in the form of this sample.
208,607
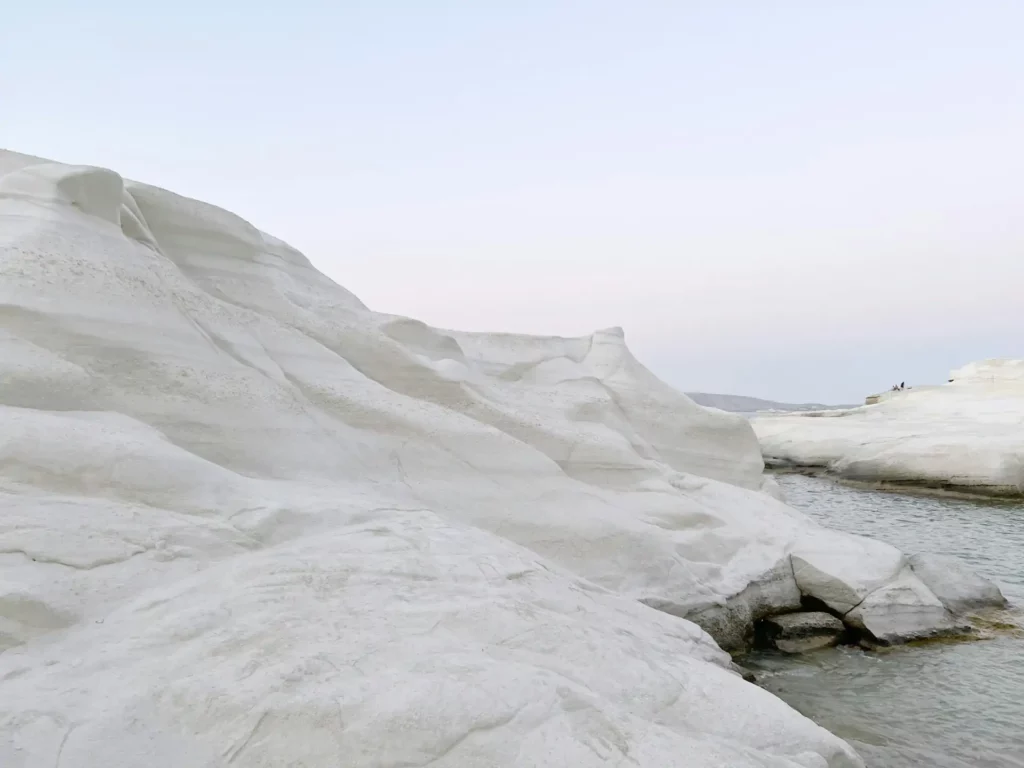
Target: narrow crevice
810,603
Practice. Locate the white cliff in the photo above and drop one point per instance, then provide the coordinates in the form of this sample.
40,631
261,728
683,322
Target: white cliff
965,435
246,521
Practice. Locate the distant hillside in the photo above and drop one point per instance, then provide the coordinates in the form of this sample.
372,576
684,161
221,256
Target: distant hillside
742,404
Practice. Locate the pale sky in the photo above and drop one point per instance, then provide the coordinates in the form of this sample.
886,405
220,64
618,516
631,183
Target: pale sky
792,200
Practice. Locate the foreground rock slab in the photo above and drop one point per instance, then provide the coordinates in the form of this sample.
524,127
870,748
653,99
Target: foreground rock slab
401,641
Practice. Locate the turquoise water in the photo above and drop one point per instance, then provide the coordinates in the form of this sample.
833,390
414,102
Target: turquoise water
939,705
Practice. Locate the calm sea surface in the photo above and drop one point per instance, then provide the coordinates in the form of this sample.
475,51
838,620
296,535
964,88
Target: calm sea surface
939,705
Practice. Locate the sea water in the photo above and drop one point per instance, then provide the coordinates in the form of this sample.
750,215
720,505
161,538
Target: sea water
938,705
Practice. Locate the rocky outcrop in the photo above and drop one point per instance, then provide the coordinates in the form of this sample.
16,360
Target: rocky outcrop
964,436
841,570
894,600
262,524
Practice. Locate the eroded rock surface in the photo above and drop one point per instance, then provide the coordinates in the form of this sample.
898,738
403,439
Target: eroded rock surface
247,521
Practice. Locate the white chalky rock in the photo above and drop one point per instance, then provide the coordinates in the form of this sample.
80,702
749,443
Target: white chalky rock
966,435
841,570
903,610
246,521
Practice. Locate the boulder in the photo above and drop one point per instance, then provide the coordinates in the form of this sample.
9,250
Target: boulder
802,632
959,588
840,569
903,610
731,623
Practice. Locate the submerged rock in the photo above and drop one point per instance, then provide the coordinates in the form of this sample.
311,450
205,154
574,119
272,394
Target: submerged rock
959,588
802,632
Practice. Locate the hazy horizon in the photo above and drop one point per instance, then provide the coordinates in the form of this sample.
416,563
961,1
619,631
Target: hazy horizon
797,203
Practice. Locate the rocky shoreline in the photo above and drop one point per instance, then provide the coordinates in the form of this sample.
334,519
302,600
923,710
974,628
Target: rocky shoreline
963,437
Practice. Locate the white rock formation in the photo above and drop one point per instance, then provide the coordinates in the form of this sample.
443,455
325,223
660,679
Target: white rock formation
993,372
965,435
245,520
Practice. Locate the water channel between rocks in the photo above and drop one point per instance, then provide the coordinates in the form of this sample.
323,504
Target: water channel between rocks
938,705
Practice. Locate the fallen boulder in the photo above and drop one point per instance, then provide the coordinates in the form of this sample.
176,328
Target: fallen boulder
247,520
902,611
801,632
841,570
